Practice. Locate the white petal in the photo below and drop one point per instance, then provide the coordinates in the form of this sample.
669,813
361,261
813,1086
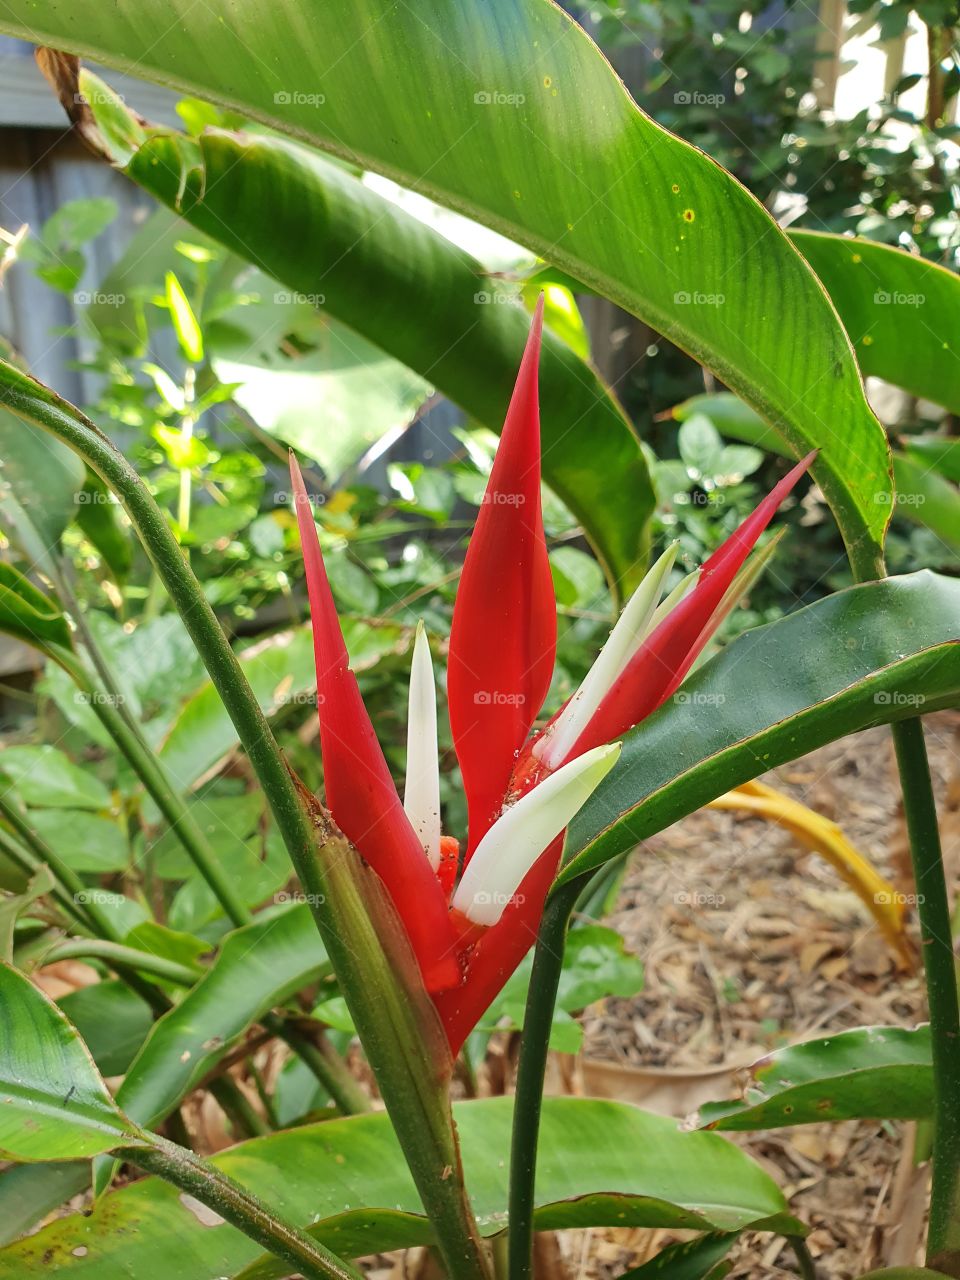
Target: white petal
626,637
518,837
421,796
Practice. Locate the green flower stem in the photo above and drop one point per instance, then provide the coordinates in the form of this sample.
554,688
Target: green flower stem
392,1012
115,953
537,1021
933,910
238,1206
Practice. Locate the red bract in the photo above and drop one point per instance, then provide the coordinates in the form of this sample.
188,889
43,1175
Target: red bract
504,633
470,936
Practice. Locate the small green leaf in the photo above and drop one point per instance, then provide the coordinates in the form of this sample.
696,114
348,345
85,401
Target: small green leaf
46,778
185,324
13,906
692,1260
85,841
53,1104
871,1073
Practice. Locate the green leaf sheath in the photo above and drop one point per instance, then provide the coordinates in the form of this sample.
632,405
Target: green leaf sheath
522,124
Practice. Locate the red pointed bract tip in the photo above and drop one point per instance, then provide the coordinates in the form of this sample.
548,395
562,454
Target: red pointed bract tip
666,656
359,787
499,951
449,861
504,631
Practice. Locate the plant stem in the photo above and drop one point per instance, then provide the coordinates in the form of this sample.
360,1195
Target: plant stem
398,1026
235,1105
115,953
239,1207
535,1046
329,1068
30,864
805,1263
943,1238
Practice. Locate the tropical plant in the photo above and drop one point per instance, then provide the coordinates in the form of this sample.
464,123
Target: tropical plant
271,907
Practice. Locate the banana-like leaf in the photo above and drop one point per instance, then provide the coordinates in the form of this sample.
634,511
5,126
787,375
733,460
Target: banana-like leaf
902,313
510,114
870,1073
53,1104
922,491
409,290
599,1163
869,655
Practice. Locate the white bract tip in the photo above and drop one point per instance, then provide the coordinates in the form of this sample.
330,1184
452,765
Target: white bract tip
633,627
421,795
519,836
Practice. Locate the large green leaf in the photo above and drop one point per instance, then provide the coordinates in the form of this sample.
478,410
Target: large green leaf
865,656
53,1104
509,113
902,312
600,1163
872,1073
257,967
282,673
407,288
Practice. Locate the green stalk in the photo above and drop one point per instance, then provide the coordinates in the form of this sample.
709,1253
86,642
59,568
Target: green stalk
933,910
404,1045
115,953
329,1068
27,861
238,1206
235,1105
537,1021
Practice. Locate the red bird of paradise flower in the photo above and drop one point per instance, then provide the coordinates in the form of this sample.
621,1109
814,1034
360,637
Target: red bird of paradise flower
469,934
